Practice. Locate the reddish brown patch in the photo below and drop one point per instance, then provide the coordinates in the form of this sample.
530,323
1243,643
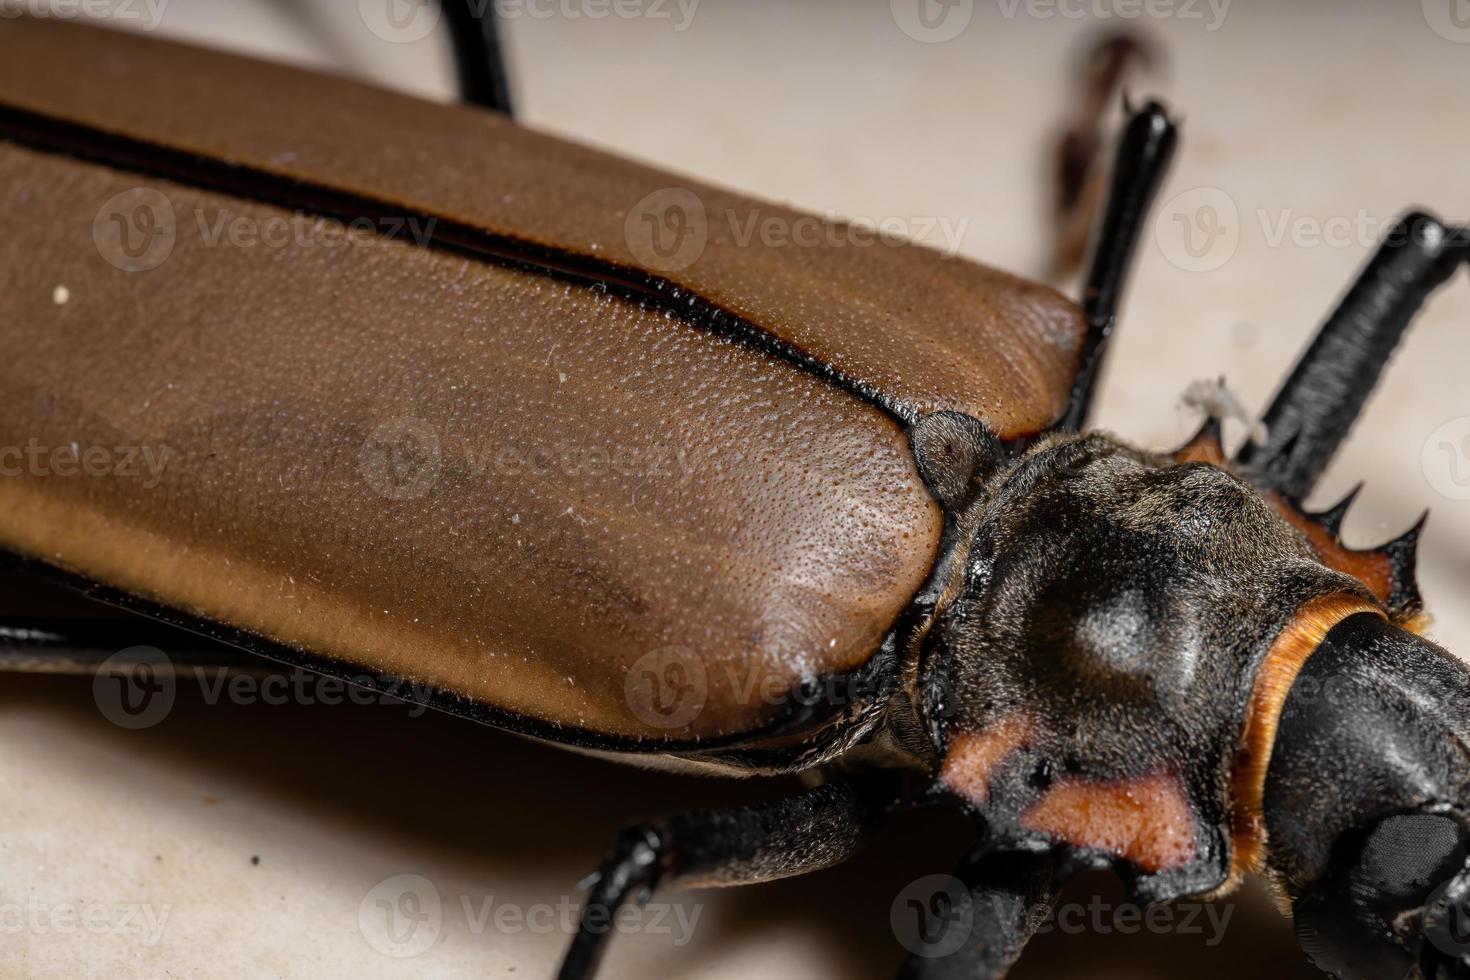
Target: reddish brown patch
1203,448
1373,568
1147,820
972,757
1278,671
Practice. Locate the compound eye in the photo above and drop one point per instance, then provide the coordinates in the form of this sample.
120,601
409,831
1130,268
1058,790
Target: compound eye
1362,921
1406,857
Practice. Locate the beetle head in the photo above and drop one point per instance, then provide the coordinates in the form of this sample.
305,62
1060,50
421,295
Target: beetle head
1366,805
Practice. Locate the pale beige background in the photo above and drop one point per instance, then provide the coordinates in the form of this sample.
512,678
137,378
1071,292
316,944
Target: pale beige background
1320,115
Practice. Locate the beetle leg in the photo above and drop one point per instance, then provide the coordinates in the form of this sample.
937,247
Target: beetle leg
479,57
812,830
1321,398
1080,175
47,629
980,934
1142,160
79,647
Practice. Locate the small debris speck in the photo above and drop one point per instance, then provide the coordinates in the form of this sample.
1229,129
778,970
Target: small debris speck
255,859
60,295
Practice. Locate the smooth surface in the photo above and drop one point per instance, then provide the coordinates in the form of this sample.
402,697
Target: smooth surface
1310,112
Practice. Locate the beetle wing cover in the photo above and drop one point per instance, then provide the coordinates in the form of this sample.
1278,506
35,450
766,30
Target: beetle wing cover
551,500
916,331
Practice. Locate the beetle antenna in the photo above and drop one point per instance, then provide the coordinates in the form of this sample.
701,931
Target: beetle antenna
479,57
1142,160
1316,407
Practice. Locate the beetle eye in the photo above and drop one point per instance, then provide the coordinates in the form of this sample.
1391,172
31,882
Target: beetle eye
1363,919
1406,857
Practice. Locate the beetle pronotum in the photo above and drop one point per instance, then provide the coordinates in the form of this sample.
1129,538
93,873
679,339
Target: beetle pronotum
870,489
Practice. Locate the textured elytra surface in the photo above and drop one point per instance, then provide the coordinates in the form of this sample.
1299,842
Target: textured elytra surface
481,478
920,331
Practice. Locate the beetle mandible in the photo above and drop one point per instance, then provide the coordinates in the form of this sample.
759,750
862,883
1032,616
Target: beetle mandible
862,477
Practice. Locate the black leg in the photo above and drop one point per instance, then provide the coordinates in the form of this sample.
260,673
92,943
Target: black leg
1080,170
979,934
806,832
475,32
82,647
1319,402
1138,169
47,629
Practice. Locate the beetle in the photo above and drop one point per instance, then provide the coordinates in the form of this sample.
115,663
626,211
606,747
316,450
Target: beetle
858,481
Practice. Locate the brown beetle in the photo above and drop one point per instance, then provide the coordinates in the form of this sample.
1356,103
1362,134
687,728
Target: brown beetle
852,525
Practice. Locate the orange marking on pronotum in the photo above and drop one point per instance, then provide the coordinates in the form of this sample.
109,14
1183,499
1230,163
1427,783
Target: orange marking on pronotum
972,757
1274,678
1203,448
1373,568
1147,820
